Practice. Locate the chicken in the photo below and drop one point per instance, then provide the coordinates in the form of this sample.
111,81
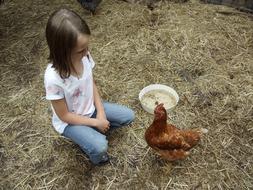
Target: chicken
90,5
168,141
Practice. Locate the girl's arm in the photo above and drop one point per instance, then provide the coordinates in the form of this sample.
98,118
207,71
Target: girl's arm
62,112
98,103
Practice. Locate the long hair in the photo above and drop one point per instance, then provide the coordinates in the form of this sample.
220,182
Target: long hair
62,30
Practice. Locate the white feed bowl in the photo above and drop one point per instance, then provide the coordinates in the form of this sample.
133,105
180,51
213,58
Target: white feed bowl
152,87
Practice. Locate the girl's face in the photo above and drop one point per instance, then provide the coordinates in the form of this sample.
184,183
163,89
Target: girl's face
81,48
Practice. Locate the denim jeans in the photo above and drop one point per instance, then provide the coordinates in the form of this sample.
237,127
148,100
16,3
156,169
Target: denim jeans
93,142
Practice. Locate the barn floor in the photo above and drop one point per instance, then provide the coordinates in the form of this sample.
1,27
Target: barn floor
203,51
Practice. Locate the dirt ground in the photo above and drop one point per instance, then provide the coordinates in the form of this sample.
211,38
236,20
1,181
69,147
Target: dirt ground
203,51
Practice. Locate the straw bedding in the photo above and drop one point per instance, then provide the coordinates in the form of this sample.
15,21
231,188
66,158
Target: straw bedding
203,51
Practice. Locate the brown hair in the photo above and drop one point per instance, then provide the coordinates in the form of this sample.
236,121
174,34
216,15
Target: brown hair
62,30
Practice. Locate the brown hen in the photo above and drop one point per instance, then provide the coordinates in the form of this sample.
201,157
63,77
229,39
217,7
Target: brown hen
167,140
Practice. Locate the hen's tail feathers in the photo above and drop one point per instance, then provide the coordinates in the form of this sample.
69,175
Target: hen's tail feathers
204,130
201,130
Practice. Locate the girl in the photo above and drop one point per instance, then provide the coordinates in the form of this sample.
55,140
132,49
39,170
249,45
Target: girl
78,112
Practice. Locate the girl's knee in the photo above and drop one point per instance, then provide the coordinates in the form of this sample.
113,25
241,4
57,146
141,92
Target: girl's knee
100,147
130,116
98,152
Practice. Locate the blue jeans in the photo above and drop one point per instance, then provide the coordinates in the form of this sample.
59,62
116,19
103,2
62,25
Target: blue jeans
93,142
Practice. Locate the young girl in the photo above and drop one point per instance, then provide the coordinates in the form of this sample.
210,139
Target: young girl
78,112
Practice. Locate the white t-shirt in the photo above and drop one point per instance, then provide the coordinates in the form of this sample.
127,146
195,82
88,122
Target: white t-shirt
78,93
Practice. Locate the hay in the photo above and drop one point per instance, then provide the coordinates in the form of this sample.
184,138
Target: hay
205,55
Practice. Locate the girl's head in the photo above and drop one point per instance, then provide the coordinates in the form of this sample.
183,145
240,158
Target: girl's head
67,37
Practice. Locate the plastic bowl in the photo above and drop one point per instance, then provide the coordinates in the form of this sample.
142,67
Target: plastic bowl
151,87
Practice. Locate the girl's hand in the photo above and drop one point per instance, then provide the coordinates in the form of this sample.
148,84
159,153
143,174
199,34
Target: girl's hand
102,125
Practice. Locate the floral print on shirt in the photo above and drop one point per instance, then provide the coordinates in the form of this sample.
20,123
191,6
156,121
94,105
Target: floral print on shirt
54,90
